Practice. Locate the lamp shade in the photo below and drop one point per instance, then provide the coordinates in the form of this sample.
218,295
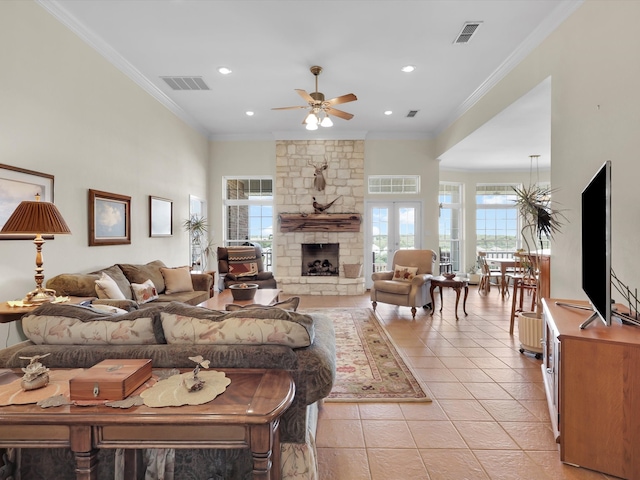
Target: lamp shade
34,217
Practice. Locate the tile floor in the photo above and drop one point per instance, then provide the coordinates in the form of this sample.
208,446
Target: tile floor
488,418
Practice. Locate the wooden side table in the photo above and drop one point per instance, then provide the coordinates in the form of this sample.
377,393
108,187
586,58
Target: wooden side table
457,283
11,314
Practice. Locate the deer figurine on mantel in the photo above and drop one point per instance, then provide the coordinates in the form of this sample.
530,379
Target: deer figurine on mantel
318,177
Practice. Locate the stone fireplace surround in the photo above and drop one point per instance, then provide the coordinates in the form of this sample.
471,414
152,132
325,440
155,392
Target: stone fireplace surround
294,190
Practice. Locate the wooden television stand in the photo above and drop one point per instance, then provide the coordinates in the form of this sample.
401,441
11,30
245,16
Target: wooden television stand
592,381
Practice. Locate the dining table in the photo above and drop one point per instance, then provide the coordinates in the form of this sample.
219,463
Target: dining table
543,257
504,264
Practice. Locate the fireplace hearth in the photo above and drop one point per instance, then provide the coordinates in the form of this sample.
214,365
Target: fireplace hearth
320,259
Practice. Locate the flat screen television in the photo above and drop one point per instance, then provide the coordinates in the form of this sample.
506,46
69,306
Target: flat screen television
596,244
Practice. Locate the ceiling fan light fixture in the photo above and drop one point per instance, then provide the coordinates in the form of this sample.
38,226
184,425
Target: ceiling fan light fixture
311,120
326,122
312,126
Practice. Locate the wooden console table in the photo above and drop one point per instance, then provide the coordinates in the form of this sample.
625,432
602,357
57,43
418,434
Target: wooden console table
592,380
246,415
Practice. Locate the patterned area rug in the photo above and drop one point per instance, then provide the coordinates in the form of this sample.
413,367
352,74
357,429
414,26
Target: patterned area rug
369,367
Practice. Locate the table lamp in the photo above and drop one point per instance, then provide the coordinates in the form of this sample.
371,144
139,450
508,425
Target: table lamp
37,218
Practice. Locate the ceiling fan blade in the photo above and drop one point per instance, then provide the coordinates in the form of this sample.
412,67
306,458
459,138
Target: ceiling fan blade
338,113
290,108
305,95
350,97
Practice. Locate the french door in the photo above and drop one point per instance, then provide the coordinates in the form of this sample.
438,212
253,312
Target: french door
390,226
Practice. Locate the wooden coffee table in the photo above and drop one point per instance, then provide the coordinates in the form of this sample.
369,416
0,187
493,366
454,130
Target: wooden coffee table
246,415
264,296
457,283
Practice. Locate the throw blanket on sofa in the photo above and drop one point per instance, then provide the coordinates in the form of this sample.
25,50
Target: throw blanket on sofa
242,261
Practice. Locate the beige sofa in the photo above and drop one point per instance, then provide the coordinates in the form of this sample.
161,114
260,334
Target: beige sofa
126,275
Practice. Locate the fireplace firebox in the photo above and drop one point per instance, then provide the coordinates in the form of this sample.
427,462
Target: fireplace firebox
320,259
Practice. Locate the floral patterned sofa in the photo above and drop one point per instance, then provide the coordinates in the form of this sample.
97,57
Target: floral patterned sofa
262,337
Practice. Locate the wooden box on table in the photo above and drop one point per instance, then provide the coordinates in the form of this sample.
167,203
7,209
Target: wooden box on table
113,379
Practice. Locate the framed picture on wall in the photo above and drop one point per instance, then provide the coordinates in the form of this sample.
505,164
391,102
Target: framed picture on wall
109,219
160,217
17,185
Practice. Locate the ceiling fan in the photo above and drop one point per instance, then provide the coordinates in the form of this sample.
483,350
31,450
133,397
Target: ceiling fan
319,108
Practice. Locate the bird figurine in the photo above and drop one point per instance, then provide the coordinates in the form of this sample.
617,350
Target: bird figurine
36,375
319,208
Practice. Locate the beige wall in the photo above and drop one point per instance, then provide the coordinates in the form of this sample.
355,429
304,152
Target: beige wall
66,111
594,118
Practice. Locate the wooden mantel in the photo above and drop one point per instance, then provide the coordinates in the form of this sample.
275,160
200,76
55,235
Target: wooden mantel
320,222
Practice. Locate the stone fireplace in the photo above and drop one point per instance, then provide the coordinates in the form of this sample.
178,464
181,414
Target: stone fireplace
295,194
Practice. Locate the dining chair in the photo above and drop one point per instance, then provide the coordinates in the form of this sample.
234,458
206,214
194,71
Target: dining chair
524,278
488,276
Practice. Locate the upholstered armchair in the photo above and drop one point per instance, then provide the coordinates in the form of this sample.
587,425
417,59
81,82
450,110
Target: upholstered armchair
243,264
408,284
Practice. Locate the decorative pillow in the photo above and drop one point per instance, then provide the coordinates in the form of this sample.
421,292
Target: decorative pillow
63,324
242,261
116,273
184,324
290,304
140,273
106,287
177,280
144,292
404,274
74,284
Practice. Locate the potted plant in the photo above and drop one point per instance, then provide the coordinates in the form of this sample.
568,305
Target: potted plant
473,274
201,247
539,218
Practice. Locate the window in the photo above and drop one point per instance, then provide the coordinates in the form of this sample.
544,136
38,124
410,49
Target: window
248,207
450,224
497,223
394,184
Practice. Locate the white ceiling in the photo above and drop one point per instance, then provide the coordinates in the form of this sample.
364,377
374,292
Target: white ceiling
361,45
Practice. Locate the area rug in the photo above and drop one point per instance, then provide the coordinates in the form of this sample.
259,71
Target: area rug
368,365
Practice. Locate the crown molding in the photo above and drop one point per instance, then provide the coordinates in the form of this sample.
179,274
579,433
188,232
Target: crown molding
104,49
564,9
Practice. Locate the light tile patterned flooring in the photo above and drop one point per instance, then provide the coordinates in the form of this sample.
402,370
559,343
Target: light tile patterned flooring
488,418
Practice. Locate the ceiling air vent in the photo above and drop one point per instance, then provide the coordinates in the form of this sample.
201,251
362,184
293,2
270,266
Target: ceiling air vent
412,113
467,32
186,83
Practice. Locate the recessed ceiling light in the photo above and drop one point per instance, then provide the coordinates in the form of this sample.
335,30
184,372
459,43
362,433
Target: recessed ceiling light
224,70
408,68
249,113
388,112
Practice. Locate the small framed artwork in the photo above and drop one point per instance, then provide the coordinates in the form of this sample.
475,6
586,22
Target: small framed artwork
160,217
109,219
16,185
